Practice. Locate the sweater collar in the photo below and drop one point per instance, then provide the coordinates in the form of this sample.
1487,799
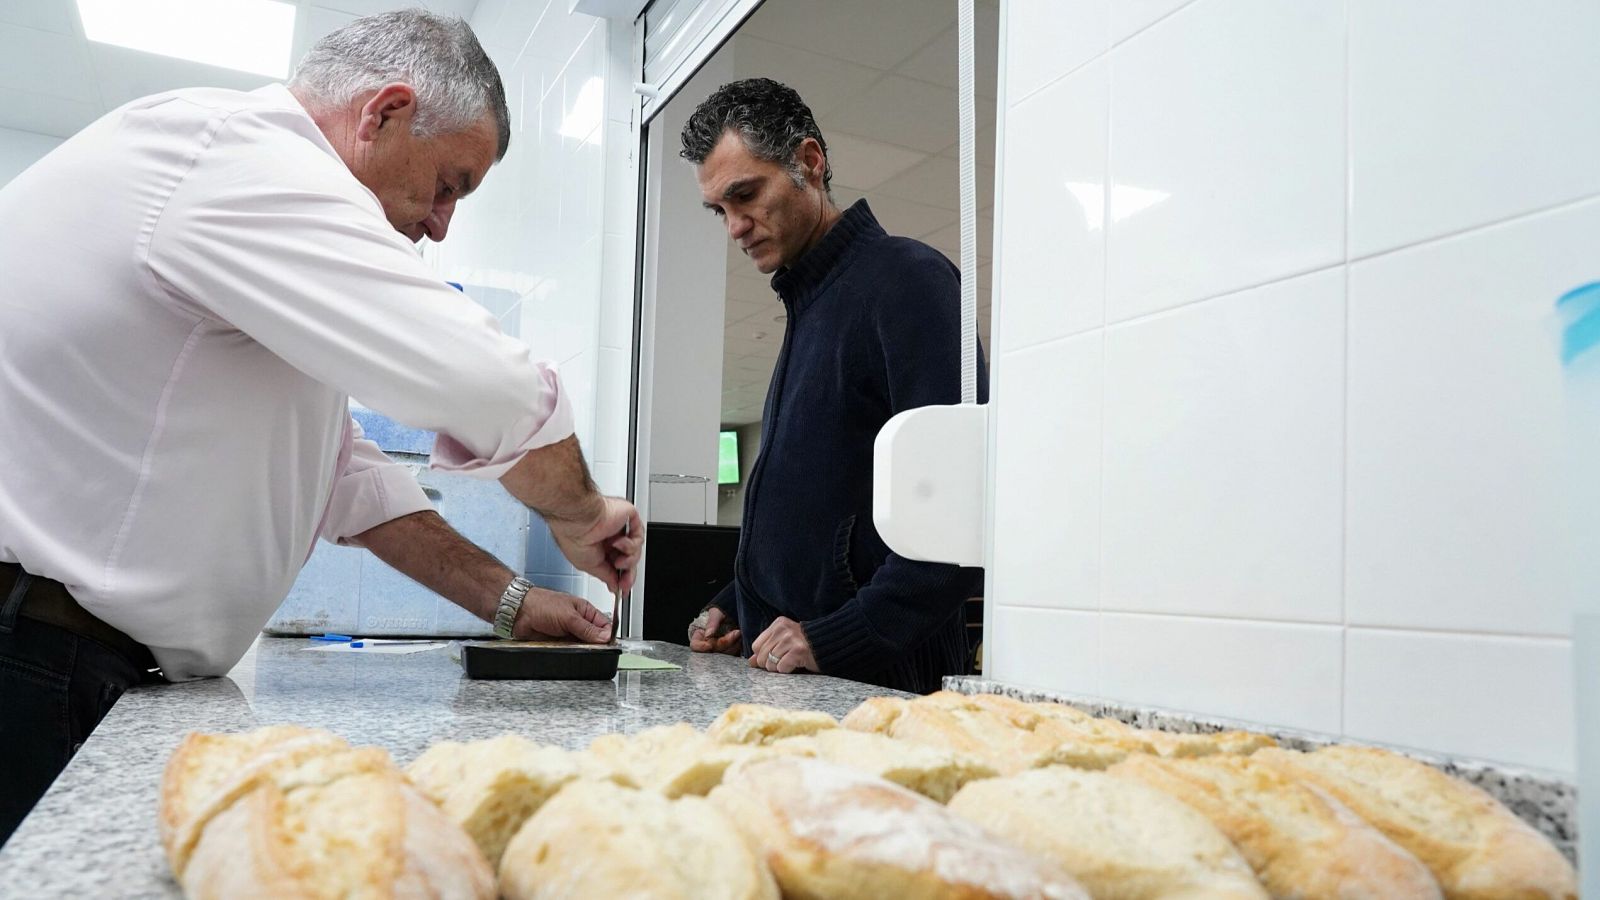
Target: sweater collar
816,268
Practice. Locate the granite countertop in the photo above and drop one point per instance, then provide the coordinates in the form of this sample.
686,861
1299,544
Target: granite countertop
94,833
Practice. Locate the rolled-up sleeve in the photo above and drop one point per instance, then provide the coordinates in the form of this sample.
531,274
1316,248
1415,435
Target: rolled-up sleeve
370,490
297,255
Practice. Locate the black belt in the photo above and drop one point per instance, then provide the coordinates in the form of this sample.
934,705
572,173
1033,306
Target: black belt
47,601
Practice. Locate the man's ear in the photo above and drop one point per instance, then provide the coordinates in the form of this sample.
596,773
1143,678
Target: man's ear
813,160
392,104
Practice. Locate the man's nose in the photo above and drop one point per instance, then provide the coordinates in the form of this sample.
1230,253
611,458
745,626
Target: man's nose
438,221
739,226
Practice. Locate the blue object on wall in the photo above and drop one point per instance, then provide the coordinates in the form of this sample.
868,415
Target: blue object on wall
1579,309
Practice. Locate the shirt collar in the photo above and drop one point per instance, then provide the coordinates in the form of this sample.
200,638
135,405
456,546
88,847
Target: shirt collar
801,281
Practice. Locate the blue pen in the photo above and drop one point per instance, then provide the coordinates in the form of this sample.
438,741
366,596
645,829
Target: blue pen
340,638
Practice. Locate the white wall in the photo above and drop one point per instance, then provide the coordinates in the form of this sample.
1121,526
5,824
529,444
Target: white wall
21,149
534,239
1275,387
688,249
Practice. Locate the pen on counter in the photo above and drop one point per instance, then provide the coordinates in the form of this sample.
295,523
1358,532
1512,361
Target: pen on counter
337,638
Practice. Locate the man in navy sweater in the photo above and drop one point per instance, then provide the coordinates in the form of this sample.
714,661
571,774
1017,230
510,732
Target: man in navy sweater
873,330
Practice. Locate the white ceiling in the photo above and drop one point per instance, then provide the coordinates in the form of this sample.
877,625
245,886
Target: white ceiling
880,75
55,81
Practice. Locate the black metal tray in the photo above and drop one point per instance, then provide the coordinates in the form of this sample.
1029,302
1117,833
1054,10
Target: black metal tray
540,660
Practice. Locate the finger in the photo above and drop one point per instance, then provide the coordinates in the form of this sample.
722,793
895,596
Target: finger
625,578
587,623
758,647
730,642
786,663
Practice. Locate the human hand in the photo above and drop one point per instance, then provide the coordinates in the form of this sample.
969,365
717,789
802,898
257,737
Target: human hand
552,615
606,545
710,636
783,648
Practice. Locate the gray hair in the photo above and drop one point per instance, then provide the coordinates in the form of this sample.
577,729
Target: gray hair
438,56
767,115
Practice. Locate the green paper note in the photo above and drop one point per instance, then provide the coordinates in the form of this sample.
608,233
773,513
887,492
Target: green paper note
638,663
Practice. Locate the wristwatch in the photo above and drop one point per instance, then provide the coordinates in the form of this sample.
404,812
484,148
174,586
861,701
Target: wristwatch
505,615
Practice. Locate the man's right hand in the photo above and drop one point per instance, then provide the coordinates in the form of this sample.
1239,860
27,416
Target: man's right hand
709,639
552,615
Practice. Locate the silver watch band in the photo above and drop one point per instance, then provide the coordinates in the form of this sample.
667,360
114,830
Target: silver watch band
505,615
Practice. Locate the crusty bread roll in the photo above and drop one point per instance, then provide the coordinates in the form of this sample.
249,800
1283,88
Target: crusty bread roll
205,764
1302,844
674,760
933,772
342,822
1474,846
597,839
491,787
753,723
875,714
831,832
1123,840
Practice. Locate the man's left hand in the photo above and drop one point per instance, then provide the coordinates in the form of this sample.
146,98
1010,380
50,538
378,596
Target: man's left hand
782,648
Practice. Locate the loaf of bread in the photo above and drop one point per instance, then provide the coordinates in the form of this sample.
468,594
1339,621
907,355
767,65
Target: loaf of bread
831,832
1121,839
288,821
1302,844
1474,846
209,771
875,714
674,760
753,723
491,787
933,772
597,839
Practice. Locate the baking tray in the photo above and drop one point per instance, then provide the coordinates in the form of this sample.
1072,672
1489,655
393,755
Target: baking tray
540,660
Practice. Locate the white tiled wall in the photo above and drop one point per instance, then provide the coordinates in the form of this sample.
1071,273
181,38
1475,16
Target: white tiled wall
1278,402
553,223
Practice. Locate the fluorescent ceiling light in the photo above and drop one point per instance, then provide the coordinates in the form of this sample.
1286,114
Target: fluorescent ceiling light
586,112
248,35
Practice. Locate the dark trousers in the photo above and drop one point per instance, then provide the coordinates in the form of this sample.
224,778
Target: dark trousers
55,687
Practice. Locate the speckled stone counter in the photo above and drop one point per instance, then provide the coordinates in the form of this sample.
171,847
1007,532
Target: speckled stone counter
94,833
1548,803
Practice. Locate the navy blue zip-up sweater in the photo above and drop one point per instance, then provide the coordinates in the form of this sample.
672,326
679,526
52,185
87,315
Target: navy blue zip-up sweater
874,328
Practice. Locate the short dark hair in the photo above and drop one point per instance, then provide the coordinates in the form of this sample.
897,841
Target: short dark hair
768,116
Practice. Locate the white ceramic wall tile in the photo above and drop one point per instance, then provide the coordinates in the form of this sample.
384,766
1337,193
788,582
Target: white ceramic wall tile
616,292
1457,480
612,392
1227,151
1462,115
1131,16
1502,699
1047,475
1048,649
1046,39
1052,188
1223,456
1270,673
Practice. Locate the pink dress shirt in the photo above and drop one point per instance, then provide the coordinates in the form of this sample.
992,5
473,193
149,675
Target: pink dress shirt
191,289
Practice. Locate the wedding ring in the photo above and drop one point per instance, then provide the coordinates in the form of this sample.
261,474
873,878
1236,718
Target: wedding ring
772,659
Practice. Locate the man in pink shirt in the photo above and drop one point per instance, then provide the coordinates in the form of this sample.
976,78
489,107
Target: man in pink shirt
201,281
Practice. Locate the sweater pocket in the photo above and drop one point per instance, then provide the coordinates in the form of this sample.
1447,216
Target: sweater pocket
842,537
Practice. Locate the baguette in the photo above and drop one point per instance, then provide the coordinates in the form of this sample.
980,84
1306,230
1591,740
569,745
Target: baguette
830,832
1475,847
1302,844
1123,840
